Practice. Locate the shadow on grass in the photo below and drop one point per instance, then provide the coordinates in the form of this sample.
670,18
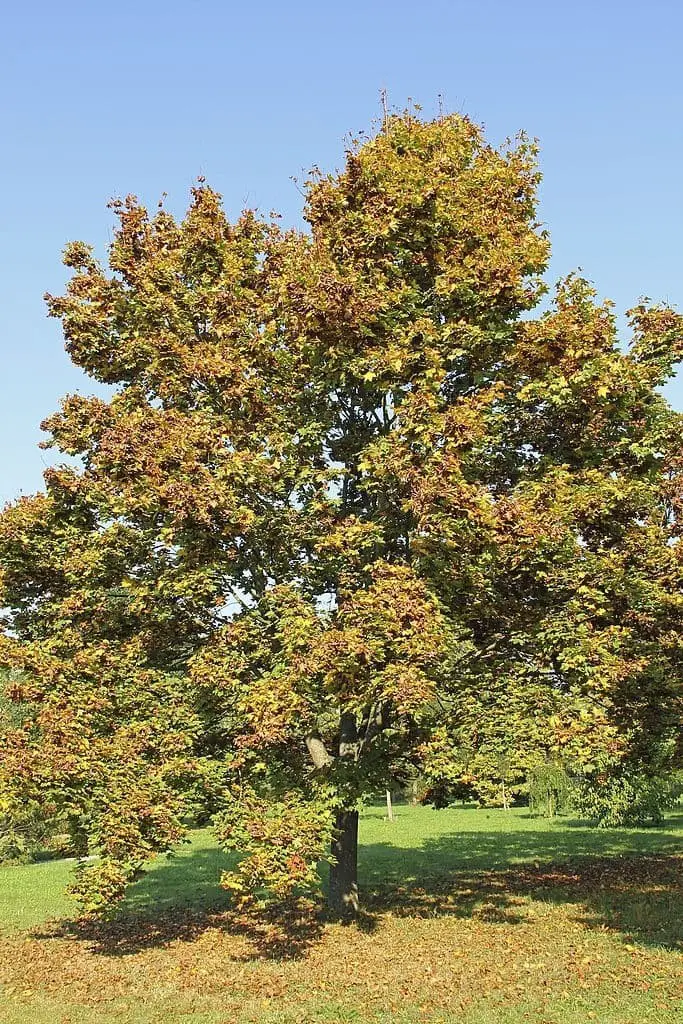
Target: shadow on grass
627,880
630,881
639,896
400,806
276,936
674,823
180,900
393,862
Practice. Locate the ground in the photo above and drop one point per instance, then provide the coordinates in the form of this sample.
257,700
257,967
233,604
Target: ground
470,915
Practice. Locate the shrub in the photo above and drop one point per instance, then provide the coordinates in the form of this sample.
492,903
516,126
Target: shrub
551,790
34,830
631,797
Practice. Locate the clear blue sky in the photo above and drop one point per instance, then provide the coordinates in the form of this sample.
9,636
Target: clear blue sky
102,99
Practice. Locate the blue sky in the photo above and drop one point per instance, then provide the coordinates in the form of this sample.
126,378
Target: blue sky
101,100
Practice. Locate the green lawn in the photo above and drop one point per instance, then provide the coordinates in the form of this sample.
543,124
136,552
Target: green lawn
470,915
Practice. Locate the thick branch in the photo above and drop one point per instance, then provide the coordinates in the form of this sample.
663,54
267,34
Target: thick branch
348,736
375,724
319,754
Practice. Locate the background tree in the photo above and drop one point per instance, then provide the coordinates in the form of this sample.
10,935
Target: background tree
346,509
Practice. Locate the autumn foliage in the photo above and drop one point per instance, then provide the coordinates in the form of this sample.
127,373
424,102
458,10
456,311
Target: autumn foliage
354,508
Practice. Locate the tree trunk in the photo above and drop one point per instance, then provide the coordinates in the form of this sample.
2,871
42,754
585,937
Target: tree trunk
343,897
390,809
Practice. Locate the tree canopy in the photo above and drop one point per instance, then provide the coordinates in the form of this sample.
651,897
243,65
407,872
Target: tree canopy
363,500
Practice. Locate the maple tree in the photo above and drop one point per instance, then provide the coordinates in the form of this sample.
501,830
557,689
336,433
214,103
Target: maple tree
349,510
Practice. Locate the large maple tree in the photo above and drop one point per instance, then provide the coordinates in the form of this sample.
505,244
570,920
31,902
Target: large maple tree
348,508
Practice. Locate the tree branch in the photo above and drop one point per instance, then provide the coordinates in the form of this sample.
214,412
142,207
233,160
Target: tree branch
319,753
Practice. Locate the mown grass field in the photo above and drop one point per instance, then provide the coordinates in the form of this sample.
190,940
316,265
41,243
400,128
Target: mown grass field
471,916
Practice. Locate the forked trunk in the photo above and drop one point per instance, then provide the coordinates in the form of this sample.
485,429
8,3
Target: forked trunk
343,897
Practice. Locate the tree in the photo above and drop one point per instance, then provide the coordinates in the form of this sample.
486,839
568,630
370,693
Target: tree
345,492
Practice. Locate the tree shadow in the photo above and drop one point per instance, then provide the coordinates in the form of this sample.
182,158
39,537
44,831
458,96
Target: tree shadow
630,882
179,900
269,934
379,811
673,823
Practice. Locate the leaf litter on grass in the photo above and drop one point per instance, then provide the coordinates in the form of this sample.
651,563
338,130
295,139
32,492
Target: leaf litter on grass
452,930
543,935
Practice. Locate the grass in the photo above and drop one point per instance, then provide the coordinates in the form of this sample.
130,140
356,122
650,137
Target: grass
471,916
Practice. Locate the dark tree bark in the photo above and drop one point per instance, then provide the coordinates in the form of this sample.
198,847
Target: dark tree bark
343,895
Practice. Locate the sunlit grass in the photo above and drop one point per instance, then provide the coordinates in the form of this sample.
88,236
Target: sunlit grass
471,916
